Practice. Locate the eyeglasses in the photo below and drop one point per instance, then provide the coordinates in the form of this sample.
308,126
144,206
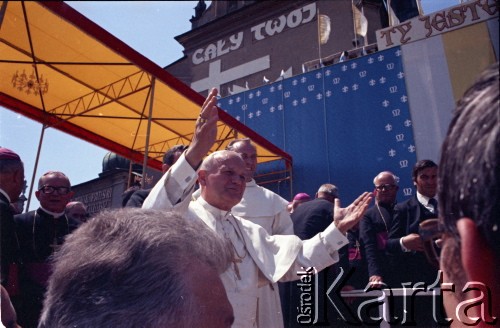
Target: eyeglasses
430,231
50,190
385,187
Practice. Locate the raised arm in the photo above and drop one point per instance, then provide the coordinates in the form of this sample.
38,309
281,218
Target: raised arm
205,131
176,185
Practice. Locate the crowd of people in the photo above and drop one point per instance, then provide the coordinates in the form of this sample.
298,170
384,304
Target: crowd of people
207,246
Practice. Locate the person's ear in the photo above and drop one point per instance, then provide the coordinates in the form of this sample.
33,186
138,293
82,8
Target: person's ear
476,255
202,177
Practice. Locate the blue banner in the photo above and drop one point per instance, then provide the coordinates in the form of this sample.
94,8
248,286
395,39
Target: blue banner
342,124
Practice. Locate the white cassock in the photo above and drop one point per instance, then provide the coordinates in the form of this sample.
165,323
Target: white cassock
267,209
261,258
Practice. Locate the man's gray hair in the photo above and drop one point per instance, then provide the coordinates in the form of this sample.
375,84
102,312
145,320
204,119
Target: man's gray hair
126,268
328,188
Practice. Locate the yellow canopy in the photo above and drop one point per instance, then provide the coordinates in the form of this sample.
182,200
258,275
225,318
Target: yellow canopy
63,70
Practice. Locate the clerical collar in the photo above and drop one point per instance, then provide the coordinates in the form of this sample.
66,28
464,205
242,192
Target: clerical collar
54,214
216,212
5,194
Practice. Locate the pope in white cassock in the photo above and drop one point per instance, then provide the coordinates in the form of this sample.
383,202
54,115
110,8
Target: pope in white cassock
269,210
259,258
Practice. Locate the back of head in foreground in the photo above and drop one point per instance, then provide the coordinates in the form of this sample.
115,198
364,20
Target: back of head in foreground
469,193
138,268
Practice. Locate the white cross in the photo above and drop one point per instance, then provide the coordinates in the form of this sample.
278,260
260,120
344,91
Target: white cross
216,77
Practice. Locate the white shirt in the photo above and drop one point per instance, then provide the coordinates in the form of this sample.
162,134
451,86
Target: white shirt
424,200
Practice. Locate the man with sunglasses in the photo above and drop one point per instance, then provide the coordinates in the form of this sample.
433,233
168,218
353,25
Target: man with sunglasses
40,233
375,225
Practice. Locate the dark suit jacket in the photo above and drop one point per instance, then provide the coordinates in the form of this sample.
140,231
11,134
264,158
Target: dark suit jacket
312,217
37,232
372,227
10,248
138,198
353,257
410,266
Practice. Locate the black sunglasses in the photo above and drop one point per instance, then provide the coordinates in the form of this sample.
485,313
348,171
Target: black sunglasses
51,189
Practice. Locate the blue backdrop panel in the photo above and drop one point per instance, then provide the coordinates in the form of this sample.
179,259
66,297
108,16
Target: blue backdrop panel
342,124
305,131
369,120
233,106
260,109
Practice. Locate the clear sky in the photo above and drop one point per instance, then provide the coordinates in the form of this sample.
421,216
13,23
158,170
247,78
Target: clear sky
148,27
